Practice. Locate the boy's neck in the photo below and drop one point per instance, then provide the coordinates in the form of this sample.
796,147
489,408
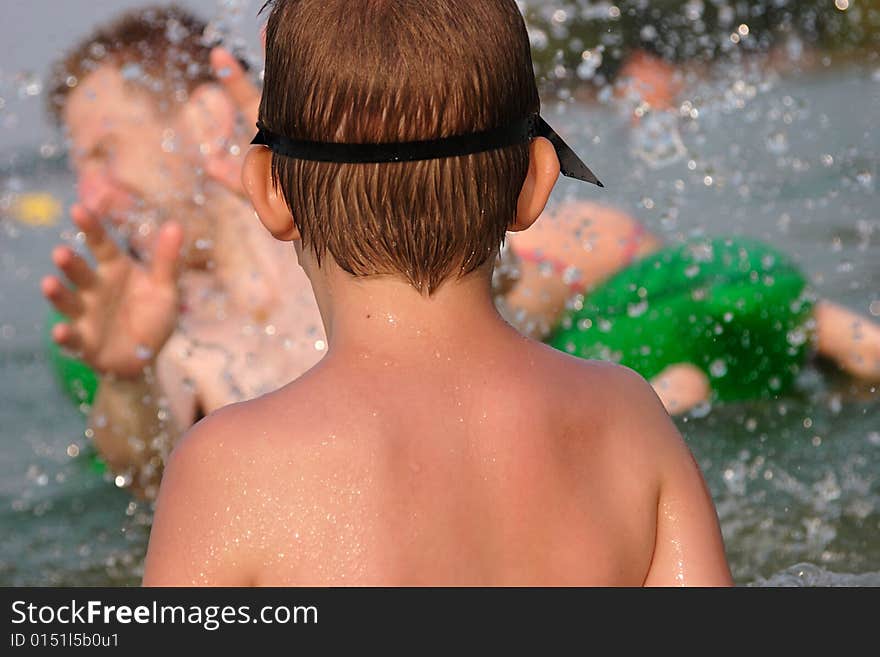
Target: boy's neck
384,315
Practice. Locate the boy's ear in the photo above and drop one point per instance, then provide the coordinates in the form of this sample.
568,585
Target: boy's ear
256,178
540,180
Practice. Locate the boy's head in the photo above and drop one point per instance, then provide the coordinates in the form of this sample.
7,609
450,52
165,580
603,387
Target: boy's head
396,71
143,113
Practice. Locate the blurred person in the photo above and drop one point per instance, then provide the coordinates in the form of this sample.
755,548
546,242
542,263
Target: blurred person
202,308
766,331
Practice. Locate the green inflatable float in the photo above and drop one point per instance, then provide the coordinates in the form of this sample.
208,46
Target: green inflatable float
736,308
76,379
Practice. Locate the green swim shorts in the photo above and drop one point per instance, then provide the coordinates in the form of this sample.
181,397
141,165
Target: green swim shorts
734,307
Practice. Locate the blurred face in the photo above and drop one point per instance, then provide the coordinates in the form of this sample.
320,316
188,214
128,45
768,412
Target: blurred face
134,164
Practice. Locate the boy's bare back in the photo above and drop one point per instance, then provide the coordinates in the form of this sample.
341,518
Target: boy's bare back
433,444
497,462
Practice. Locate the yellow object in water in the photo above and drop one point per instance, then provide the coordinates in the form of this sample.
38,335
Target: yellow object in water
36,209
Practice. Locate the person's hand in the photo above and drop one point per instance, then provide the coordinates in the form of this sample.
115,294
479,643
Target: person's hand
120,314
225,168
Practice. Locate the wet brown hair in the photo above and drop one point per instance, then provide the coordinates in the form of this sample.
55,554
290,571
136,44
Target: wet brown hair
399,70
162,49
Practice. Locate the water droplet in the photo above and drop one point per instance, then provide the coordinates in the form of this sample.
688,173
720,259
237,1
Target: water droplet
657,140
796,337
637,309
538,39
777,143
175,31
29,85
835,404
718,368
701,410
142,352
571,275
132,71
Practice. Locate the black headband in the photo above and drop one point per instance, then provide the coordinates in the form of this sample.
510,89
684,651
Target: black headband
519,132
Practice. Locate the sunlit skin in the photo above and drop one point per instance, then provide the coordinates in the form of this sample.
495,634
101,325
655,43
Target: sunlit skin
561,466
211,310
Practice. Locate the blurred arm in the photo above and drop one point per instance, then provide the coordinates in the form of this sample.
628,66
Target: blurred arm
137,421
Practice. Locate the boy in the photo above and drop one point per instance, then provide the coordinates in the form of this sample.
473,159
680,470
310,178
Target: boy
433,444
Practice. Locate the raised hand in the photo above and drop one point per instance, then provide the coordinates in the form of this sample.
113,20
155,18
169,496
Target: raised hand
226,166
121,313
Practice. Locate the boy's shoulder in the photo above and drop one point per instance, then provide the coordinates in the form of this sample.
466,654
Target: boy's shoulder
613,386
630,420
214,451
239,432
238,443
598,393
602,405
